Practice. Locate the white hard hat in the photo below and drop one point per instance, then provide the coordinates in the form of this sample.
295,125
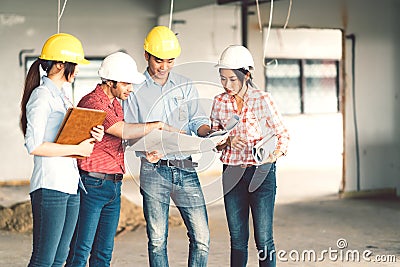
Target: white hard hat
236,57
120,67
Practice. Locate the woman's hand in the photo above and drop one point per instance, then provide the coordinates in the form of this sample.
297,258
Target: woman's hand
237,142
273,157
85,148
97,133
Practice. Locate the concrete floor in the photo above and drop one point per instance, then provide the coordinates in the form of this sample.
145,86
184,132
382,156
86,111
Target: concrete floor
309,217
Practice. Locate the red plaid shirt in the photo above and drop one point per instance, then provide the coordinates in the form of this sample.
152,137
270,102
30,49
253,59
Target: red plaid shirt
259,118
108,155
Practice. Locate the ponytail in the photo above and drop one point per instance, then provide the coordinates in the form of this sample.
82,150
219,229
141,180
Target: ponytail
31,82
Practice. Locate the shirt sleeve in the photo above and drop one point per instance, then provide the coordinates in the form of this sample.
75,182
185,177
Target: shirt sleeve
131,109
214,117
275,122
197,115
38,111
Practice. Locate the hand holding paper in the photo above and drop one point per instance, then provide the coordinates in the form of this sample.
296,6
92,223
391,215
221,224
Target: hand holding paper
229,126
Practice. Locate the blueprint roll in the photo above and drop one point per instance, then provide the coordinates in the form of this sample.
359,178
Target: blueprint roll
232,122
262,149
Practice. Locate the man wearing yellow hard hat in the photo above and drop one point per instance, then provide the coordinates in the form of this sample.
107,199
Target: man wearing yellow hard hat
171,98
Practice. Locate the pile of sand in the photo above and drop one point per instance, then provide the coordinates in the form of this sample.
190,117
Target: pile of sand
18,218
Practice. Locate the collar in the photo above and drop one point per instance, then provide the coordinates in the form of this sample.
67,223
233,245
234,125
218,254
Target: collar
47,82
149,80
103,97
245,97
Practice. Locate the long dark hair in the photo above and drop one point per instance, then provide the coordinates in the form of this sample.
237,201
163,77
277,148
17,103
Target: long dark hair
33,80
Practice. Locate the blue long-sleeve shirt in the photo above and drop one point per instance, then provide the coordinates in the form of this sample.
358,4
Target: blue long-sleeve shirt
176,103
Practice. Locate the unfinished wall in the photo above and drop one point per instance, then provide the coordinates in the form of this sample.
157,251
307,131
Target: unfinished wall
102,26
376,80
105,27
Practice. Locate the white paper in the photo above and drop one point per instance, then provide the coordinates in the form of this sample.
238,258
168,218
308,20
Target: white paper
173,143
262,149
229,126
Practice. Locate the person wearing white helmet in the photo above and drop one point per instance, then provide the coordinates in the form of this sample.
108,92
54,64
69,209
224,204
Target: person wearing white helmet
102,173
247,185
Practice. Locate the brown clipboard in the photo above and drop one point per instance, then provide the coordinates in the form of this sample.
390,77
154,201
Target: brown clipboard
77,124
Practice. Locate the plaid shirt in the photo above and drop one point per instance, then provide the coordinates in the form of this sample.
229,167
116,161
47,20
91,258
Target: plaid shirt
259,118
108,155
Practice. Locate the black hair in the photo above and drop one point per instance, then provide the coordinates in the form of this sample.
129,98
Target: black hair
33,80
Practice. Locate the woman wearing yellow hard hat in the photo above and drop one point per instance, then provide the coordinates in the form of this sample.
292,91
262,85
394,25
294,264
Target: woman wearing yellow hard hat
55,177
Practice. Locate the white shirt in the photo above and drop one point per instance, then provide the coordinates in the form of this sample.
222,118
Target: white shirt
45,111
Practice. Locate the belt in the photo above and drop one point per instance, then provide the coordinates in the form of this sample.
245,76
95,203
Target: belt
105,176
179,163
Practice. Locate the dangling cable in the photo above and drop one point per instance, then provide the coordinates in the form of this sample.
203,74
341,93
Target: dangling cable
59,14
170,14
268,31
269,28
259,16
288,14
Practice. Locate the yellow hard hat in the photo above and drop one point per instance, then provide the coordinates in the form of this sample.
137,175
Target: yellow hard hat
63,47
161,42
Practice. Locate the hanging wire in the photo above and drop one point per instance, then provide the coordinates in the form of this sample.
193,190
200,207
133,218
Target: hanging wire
59,14
269,27
259,16
268,32
288,14
170,14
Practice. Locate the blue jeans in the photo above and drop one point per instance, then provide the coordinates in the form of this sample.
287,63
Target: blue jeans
158,185
97,223
252,188
54,218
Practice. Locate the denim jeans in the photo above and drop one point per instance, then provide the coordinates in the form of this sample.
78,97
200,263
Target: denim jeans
54,218
252,188
159,184
97,224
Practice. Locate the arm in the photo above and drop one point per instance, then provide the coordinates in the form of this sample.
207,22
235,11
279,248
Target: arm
274,121
125,130
198,120
38,113
48,149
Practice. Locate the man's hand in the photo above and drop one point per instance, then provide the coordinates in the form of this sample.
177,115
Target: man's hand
153,156
97,132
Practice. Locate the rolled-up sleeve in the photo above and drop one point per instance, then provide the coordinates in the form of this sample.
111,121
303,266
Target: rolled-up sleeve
38,110
131,109
197,114
275,122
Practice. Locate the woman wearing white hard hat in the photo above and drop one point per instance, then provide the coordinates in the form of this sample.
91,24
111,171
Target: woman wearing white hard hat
103,171
249,185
